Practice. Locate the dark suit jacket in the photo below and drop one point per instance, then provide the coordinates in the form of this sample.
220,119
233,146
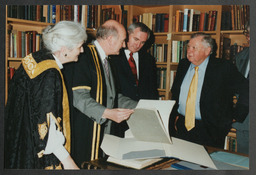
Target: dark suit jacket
222,80
147,87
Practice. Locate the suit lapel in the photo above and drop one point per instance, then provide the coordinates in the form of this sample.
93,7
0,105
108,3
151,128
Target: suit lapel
208,79
141,64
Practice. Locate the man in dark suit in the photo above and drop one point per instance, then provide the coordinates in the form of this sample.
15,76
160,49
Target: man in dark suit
217,81
98,106
243,66
143,85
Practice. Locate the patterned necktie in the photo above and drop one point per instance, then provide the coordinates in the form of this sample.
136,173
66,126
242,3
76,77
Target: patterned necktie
106,66
191,102
133,67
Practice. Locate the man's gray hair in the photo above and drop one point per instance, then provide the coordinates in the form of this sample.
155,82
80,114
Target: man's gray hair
207,40
142,26
105,31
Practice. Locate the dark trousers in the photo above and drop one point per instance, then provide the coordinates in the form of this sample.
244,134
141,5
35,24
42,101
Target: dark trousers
199,134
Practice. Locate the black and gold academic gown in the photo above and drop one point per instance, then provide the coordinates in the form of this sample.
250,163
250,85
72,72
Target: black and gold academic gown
93,94
37,88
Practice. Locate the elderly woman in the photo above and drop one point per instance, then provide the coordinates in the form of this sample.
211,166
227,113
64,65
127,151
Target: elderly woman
37,124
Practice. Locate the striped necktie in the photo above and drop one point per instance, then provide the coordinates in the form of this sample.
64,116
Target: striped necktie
106,66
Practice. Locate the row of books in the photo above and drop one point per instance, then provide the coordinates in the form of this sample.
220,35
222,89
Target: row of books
22,43
159,51
47,13
92,16
179,50
190,20
235,18
228,51
161,78
72,12
32,12
78,13
109,13
158,22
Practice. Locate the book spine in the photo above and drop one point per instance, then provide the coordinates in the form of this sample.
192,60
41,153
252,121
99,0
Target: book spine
201,22
158,22
213,20
23,44
162,22
19,51
191,19
177,19
232,17
53,14
15,44
185,20
181,21
76,13
11,45
38,13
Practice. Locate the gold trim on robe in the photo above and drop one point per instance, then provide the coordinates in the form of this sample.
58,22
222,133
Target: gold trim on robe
99,96
81,87
33,69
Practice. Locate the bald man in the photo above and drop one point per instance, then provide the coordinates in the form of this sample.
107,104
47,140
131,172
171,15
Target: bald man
98,106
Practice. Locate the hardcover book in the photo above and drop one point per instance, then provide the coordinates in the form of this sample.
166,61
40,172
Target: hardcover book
150,137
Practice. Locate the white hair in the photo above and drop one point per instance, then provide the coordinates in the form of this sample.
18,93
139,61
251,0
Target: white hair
64,33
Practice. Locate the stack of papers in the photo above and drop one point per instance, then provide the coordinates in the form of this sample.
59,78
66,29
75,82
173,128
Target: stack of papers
149,127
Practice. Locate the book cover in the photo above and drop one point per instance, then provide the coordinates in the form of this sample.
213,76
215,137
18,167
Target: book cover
174,51
158,22
196,18
177,19
53,14
185,20
213,20
201,22
166,22
191,19
151,139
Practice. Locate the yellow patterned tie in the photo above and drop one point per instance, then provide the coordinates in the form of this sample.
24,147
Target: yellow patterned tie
191,102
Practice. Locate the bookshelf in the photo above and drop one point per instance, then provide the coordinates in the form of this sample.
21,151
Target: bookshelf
149,16
24,18
92,16
167,37
15,24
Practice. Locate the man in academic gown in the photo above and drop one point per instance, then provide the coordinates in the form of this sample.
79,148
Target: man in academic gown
95,97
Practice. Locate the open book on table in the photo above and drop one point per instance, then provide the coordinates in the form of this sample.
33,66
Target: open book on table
150,137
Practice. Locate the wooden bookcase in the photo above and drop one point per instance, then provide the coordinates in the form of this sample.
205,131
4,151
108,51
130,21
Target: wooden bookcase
160,38
19,25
